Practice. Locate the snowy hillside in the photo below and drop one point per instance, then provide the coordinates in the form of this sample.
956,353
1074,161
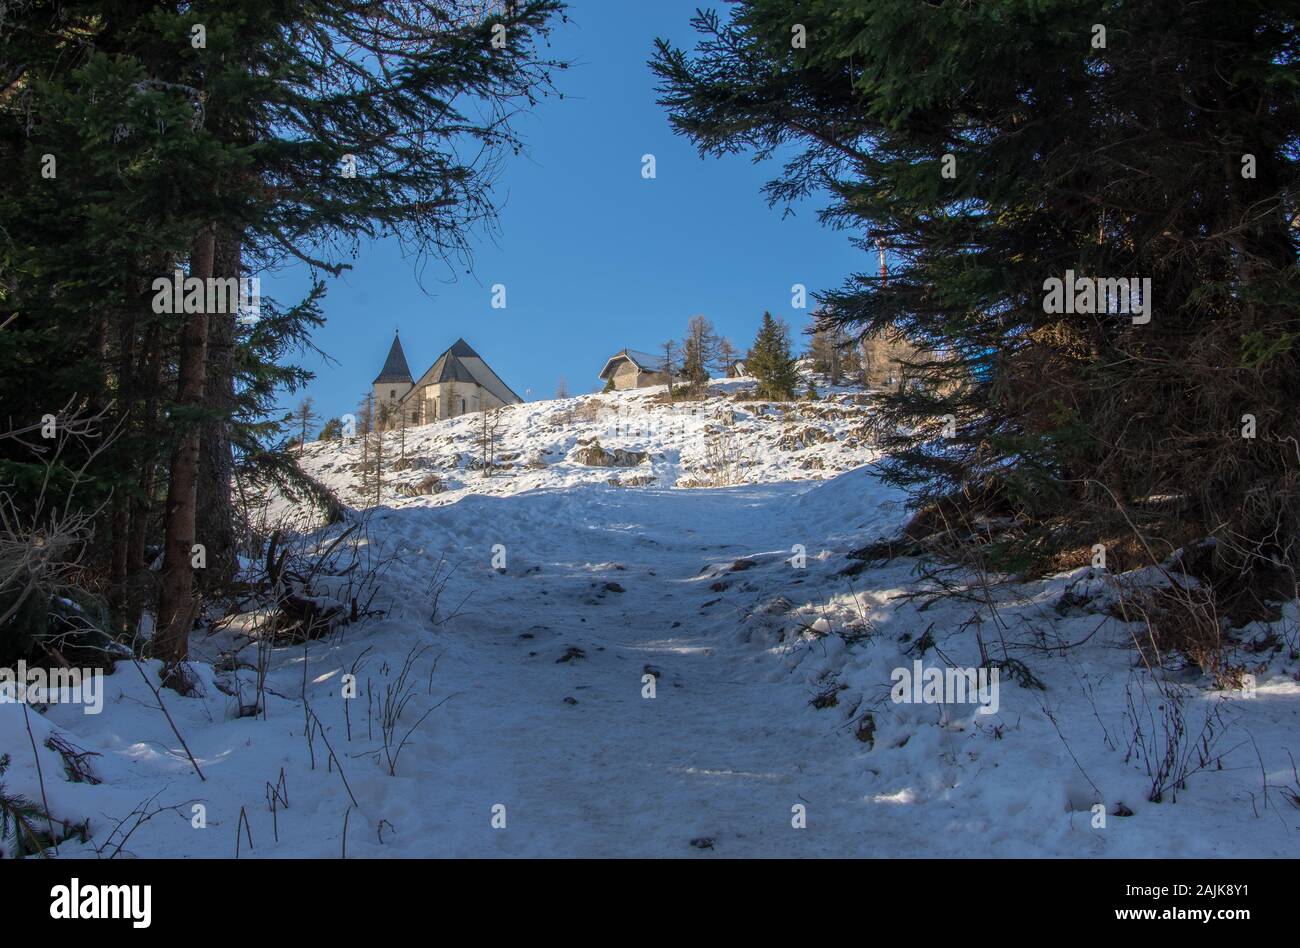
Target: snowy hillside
574,657
633,439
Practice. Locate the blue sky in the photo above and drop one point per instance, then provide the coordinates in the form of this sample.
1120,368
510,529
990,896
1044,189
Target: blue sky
594,257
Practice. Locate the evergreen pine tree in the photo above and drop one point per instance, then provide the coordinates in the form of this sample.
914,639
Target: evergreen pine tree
261,124
771,363
1165,152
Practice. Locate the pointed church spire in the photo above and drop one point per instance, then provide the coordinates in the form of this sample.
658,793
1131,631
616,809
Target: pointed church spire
395,368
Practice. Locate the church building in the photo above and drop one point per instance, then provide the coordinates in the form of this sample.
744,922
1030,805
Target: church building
458,382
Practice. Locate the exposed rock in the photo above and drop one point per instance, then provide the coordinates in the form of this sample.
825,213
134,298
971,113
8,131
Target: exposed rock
429,484
593,455
478,464
636,480
803,438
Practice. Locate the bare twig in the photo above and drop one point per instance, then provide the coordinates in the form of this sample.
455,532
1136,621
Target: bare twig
163,708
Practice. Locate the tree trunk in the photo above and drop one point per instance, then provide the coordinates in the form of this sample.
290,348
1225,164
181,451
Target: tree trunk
120,517
216,510
177,606
119,529
142,503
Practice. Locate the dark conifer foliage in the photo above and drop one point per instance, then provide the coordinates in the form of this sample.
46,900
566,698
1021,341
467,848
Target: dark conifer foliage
770,361
993,147
218,139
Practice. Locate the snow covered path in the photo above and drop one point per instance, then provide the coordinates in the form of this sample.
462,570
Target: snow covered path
721,753
533,690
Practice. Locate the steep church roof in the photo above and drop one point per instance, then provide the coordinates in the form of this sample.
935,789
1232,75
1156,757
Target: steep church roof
395,368
461,363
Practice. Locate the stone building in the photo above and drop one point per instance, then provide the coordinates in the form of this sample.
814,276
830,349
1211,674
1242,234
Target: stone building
632,369
458,382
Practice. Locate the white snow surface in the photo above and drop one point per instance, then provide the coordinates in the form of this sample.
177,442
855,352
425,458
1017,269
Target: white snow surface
764,671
